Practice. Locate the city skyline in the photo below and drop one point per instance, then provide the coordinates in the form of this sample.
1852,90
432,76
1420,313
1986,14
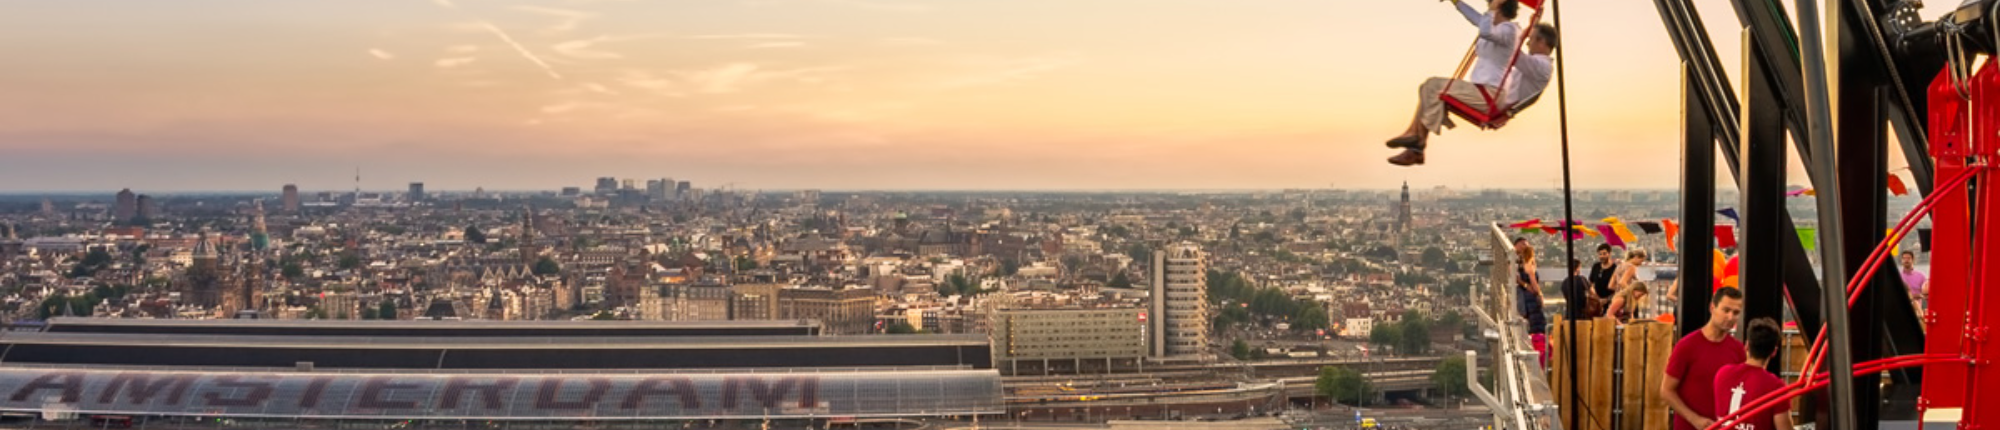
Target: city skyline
819,94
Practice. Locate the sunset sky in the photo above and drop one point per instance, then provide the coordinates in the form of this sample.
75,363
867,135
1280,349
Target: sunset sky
184,95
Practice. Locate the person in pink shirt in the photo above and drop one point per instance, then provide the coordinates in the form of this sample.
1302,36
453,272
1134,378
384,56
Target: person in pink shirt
1914,280
1739,384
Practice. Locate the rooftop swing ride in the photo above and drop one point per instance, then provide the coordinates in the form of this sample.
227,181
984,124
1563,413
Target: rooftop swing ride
1879,70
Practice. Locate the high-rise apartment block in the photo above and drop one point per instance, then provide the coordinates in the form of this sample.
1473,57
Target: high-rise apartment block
1180,314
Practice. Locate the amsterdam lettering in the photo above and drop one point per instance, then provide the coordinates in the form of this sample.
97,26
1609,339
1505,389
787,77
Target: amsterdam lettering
719,394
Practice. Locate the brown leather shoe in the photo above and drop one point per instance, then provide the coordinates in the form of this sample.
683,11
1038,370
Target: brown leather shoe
1406,141
1409,157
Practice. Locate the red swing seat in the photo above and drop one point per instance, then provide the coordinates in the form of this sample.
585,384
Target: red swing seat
1496,113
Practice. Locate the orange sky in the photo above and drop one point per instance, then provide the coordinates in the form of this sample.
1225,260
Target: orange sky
777,94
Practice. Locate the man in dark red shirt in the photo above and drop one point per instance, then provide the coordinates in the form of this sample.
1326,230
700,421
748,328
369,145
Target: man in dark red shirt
1739,384
1689,386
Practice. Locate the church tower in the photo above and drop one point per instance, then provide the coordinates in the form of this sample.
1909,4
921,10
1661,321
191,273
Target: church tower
1403,211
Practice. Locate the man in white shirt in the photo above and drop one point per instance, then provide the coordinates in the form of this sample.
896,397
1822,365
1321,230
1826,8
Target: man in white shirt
1497,33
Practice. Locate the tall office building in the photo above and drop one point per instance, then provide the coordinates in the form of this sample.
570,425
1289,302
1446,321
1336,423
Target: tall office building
146,208
417,192
656,189
1180,315
291,198
127,206
606,186
681,190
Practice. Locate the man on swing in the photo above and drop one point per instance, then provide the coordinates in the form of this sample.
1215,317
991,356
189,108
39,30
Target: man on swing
1494,49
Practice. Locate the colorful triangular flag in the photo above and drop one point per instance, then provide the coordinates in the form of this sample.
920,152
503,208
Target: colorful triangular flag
1673,234
1896,185
1611,236
1648,226
1536,223
1731,213
1808,237
1725,236
1624,233
1924,239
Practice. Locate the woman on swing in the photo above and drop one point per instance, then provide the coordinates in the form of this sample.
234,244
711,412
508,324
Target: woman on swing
1494,50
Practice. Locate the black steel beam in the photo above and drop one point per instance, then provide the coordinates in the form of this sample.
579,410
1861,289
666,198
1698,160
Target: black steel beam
1761,203
1863,207
1697,215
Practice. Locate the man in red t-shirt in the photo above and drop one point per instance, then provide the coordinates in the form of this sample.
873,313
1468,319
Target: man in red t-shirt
1690,380
1738,384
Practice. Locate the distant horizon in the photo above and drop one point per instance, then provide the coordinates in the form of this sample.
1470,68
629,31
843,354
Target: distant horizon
587,191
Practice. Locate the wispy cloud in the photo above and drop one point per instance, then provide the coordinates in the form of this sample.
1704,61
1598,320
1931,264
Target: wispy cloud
911,41
881,5
734,77
647,81
580,49
598,88
751,36
446,63
723,79
522,49
381,54
462,49
777,45
561,107
569,18
1004,71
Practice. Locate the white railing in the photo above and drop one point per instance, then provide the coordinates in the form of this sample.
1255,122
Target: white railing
1521,399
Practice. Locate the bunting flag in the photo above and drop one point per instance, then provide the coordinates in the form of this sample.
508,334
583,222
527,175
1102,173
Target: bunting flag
1611,220
1624,234
1611,236
1808,237
1673,232
1896,185
1648,226
1550,230
1587,231
1802,192
1725,236
1924,239
1731,213
1896,247
1536,223
1718,264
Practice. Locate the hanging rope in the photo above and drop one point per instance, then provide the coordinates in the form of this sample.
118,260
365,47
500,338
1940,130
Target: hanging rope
1569,240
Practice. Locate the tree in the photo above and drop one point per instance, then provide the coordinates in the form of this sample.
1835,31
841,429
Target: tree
473,235
1140,253
1240,350
294,272
1009,267
368,313
1458,288
350,261
603,316
1385,335
97,259
1415,331
902,327
1119,281
1451,322
1342,385
387,311
546,266
744,263
958,284
1309,317
1434,258
1450,376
